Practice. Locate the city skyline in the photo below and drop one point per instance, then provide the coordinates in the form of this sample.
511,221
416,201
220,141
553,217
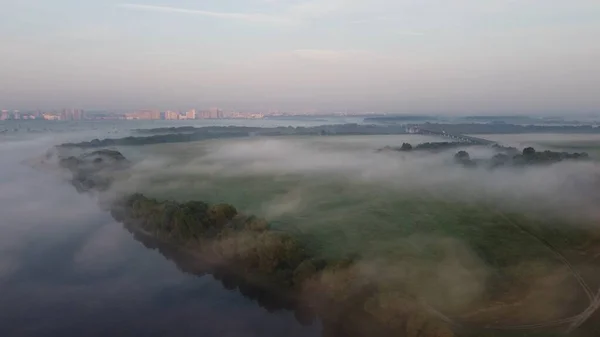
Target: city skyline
401,56
143,114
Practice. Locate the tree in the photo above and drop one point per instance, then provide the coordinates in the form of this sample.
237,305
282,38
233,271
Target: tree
406,147
462,156
500,159
221,214
529,151
255,224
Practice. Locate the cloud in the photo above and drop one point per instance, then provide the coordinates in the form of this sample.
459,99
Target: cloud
249,17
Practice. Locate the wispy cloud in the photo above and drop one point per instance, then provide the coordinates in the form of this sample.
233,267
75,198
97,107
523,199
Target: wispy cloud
250,17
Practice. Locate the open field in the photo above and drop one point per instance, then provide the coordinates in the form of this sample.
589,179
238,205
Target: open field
516,247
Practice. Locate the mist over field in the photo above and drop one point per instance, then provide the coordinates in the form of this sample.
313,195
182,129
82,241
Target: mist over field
304,170
417,224
387,206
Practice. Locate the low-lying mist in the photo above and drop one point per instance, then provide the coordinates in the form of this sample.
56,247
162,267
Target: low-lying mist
458,240
294,173
41,215
68,268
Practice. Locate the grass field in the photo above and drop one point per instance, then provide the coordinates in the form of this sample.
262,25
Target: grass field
480,246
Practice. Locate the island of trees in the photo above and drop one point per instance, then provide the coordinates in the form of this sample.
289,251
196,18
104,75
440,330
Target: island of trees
95,170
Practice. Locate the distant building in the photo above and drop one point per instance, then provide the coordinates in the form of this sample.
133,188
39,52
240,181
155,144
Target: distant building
51,117
204,115
143,114
412,130
214,113
72,115
191,114
171,115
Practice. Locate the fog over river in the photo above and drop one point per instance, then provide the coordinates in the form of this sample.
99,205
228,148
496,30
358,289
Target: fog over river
67,268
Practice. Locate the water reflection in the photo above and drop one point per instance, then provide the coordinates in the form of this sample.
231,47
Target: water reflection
265,297
349,320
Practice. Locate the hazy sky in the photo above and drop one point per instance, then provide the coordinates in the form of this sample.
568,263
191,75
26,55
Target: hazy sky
407,56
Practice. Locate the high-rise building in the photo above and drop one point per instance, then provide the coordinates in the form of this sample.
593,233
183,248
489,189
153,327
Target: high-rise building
66,115
191,114
143,114
72,115
171,115
215,113
51,117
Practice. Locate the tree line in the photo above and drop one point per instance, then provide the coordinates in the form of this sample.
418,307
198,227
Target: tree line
529,156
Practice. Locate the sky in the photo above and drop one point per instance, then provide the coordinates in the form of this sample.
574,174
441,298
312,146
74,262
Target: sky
395,56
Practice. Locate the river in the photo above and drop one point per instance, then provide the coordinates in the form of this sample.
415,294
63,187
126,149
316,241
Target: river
68,269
